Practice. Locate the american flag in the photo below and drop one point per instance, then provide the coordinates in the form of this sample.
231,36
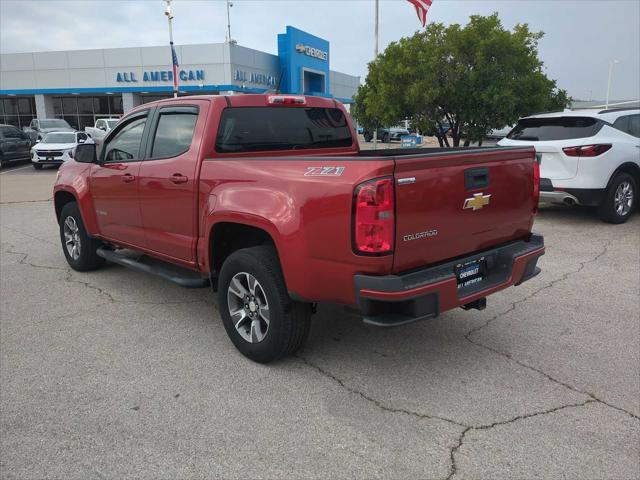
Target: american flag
176,65
422,7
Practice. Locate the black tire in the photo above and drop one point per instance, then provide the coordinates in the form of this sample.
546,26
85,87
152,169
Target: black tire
87,258
37,166
611,212
289,321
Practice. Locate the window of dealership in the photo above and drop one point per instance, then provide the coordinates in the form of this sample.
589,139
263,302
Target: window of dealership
17,111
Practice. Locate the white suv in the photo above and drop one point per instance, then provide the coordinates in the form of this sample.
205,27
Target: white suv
587,157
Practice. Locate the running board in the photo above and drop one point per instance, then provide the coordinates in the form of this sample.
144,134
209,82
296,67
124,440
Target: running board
142,263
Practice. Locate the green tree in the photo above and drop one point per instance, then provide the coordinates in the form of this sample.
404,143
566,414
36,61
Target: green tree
474,78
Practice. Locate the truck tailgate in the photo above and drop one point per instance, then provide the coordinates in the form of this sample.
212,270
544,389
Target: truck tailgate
432,190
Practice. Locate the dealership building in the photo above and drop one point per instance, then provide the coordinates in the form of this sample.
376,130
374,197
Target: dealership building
83,85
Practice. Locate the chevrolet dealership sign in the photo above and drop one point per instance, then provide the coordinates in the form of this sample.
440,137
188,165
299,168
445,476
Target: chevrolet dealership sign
312,52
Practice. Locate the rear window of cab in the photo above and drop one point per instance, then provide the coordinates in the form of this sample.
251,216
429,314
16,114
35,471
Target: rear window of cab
254,129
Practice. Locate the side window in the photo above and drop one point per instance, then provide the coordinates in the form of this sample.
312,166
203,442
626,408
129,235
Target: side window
34,124
124,146
622,124
11,132
634,125
100,124
174,131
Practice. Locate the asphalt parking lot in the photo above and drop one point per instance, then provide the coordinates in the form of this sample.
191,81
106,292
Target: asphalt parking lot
113,374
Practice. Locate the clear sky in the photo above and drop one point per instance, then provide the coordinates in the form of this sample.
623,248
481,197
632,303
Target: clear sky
581,36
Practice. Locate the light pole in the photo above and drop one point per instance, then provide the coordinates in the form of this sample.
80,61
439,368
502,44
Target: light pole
229,5
375,51
611,64
169,14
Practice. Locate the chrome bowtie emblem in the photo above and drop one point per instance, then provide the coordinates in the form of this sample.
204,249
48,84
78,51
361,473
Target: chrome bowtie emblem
476,202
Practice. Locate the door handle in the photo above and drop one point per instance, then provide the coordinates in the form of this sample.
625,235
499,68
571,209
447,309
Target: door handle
178,178
128,178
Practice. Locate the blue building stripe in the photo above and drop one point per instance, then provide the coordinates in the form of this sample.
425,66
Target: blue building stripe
149,89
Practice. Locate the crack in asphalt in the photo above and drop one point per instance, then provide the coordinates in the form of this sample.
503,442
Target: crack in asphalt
374,401
29,235
551,284
453,466
549,377
27,201
24,260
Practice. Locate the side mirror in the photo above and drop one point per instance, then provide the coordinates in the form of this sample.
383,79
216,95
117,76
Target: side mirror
37,140
86,153
103,128
81,140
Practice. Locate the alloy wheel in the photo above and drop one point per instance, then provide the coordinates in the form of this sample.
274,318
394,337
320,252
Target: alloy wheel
248,307
623,198
72,237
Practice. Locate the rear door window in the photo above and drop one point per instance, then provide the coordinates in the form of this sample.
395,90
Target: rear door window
174,131
634,125
628,124
555,128
253,129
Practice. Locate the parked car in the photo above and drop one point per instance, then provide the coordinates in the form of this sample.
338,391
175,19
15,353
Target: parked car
586,158
56,148
499,133
101,128
39,127
279,209
386,135
14,145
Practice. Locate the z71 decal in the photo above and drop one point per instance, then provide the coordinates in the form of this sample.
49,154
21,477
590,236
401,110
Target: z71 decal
324,171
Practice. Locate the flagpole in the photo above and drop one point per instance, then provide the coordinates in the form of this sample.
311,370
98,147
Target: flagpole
375,51
375,30
169,14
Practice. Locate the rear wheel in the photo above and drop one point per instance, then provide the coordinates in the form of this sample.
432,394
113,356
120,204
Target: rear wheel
78,247
619,200
261,320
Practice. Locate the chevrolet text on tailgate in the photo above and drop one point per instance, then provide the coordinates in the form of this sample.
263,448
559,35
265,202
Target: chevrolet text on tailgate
269,199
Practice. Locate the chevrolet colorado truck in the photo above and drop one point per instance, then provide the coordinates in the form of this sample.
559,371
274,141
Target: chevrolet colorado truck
269,200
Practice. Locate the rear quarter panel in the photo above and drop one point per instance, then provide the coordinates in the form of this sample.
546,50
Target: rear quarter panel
308,217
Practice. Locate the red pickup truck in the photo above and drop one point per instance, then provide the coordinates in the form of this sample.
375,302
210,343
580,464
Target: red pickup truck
269,199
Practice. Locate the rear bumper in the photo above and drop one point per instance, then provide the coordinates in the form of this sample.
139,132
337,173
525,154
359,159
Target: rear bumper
393,300
570,196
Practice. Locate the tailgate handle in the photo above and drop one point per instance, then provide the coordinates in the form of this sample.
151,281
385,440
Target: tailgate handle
475,178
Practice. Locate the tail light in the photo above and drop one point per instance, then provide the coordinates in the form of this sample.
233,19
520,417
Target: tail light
536,186
286,100
587,150
373,217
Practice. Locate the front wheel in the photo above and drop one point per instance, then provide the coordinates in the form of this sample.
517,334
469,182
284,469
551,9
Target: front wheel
37,166
78,247
619,199
261,320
